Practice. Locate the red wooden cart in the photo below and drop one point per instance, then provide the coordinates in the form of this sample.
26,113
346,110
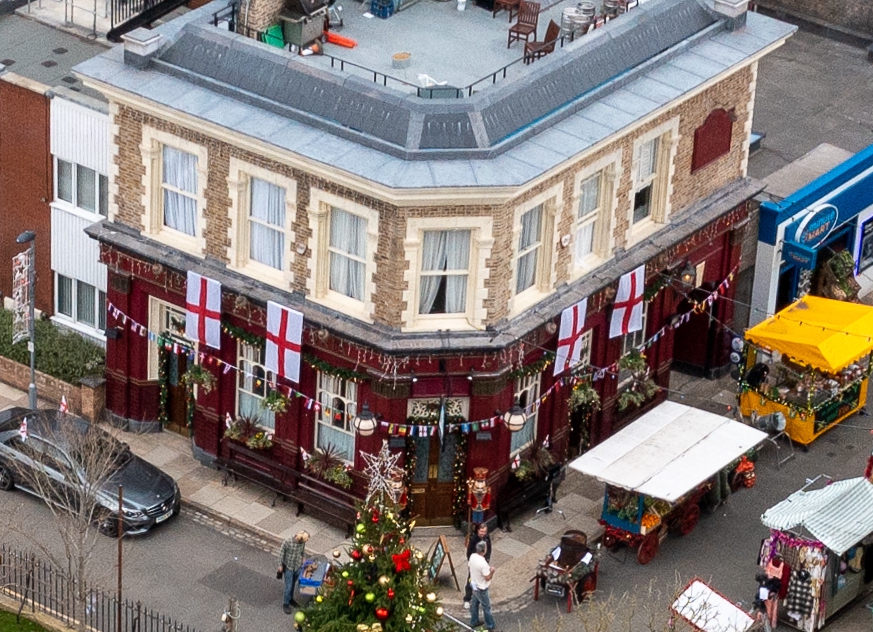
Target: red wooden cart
570,569
657,471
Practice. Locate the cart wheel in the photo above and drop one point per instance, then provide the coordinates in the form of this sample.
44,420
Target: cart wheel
609,540
689,519
648,548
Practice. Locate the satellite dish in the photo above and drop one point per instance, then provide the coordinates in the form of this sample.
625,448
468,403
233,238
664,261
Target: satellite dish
774,422
737,344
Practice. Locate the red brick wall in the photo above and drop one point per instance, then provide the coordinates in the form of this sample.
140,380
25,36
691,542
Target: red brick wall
25,184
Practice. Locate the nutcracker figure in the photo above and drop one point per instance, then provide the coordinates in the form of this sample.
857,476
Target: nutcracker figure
479,494
398,488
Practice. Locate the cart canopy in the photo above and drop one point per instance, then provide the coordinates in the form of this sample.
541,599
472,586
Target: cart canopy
820,332
708,611
839,515
668,451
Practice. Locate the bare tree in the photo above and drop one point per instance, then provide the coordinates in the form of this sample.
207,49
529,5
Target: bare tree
69,464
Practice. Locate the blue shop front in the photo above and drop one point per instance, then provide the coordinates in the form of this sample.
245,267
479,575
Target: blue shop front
818,240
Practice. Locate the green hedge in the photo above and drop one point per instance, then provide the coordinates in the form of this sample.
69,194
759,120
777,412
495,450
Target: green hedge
63,354
8,623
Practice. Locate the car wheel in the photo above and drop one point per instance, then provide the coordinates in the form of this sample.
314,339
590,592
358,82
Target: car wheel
107,523
6,480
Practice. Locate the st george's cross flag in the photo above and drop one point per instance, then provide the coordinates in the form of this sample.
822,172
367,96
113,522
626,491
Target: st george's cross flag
284,333
203,315
22,429
63,408
627,313
570,336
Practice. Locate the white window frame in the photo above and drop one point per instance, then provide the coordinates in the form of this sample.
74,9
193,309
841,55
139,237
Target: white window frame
101,188
239,236
328,389
661,180
607,169
250,362
318,282
153,141
546,277
481,244
631,341
72,319
527,391
159,315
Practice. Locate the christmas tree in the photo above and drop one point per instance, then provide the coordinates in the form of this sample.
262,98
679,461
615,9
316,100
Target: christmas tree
384,587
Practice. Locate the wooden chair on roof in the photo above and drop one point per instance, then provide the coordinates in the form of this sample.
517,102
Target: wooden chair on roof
528,16
534,50
510,5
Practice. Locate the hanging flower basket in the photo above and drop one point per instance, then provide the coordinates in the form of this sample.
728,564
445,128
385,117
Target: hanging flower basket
584,395
197,375
275,402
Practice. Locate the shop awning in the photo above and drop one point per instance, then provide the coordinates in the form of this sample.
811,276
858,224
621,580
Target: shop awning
839,515
823,333
668,451
708,611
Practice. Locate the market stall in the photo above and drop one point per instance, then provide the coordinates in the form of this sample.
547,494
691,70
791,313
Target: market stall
810,363
823,539
658,469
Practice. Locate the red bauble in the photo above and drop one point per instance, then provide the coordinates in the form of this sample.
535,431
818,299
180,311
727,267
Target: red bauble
382,613
375,515
390,593
351,583
356,554
402,540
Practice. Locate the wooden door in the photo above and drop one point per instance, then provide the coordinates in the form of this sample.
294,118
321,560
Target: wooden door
177,396
433,486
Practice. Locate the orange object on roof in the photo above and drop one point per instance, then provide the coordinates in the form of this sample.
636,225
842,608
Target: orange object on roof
339,40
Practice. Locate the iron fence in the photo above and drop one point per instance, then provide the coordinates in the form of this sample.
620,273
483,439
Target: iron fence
39,586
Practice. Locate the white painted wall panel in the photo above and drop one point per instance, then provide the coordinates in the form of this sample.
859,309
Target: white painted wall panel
74,254
80,135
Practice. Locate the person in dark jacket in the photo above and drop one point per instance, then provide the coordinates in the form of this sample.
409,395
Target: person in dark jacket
480,534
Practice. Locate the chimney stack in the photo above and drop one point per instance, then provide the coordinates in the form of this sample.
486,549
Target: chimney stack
140,45
735,11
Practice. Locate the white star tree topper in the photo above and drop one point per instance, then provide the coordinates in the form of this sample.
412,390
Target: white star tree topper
379,469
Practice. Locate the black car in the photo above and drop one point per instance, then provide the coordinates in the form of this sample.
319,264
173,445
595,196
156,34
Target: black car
51,461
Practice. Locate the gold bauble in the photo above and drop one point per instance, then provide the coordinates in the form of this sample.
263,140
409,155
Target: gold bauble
439,611
431,597
419,555
383,580
409,618
372,558
363,627
376,627
336,554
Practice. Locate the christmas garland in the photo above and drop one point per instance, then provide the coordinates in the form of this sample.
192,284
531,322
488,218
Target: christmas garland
653,290
163,383
241,335
459,478
410,461
537,367
326,367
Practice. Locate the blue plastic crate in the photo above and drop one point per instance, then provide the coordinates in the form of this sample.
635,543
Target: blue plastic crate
382,8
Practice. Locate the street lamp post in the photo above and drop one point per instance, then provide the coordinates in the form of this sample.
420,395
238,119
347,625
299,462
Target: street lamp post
29,237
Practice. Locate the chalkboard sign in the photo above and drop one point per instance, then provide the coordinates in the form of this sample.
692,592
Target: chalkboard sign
436,559
440,553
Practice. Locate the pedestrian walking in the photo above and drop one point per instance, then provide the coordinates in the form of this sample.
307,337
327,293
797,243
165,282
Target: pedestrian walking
290,560
480,534
481,573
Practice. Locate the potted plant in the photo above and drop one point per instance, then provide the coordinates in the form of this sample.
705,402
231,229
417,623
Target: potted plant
197,375
326,463
261,440
242,428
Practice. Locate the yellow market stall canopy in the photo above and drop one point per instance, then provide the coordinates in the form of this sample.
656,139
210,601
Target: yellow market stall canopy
819,332
815,370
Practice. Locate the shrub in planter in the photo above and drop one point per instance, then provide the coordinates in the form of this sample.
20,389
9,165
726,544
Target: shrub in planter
327,463
60,353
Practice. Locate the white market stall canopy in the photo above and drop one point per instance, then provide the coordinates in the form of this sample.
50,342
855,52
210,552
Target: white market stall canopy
838,515
668,451
708,611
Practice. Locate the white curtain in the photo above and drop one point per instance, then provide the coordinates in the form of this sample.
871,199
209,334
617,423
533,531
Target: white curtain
530,237
584,241
267,228
180,172
444,250
347,242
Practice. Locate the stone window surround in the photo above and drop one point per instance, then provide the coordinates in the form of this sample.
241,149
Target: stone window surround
318,281
153,141
481,243
239,189
662,186
156,308
546,275
610,170
533,385
350,401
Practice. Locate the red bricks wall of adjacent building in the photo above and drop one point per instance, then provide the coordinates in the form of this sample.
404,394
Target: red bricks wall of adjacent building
855,15
25,185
